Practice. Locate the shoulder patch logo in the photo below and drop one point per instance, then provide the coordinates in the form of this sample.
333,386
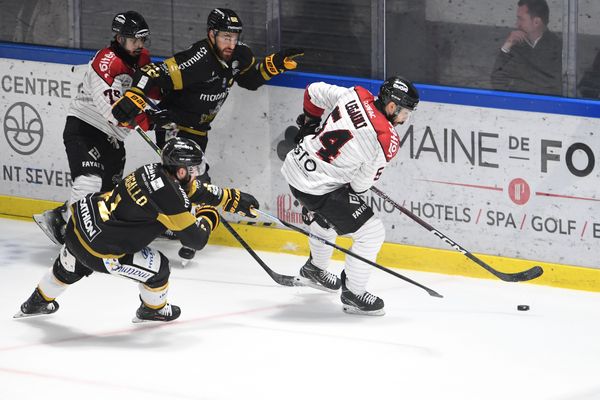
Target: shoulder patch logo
157,183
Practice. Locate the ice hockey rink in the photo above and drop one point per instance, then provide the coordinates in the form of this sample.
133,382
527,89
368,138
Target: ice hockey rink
241,336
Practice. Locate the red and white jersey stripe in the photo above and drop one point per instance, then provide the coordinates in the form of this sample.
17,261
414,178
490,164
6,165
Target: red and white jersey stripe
106,79
355,142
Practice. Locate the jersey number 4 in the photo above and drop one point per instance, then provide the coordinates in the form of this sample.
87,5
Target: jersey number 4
332,141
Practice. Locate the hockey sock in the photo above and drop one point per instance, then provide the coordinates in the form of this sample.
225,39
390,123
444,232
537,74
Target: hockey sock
320,252
154,297
50,287
366,242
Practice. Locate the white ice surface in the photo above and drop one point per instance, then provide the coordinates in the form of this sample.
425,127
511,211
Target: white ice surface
241,336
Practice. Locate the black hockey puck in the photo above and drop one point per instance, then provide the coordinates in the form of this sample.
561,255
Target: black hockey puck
522,307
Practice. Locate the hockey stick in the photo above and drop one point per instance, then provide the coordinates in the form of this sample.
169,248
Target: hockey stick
284,280
350,253
526,275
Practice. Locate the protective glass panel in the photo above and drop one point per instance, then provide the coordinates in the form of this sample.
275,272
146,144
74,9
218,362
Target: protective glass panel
458,43
588,49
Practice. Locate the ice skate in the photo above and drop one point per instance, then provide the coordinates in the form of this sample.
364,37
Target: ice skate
36,305
146,314
364,304
317,278
186,254
51,222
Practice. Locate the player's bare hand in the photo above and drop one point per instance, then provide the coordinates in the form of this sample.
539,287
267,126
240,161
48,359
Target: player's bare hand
515,37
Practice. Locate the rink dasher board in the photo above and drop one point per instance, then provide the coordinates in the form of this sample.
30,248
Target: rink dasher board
499,182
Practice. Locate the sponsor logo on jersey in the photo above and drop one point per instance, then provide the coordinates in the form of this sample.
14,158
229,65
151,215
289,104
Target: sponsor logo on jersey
105,61
185,198
214,97
157,183
86,220
369,109
394,144
193,59
92,164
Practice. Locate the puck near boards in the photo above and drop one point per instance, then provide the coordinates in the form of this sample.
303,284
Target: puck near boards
523,307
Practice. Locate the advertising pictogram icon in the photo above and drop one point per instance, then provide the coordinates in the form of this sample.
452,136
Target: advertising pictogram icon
519,191
23,128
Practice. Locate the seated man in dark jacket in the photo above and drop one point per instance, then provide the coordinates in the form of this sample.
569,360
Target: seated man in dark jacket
530,58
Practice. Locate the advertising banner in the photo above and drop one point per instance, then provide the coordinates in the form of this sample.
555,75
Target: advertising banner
502,182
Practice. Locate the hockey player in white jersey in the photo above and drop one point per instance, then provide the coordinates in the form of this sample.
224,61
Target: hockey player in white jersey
332,164
93,138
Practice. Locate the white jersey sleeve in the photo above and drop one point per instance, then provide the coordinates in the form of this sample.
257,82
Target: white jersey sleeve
353,146
106,79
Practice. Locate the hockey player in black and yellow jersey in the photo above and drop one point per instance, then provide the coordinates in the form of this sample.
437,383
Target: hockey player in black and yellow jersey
196,82
110,232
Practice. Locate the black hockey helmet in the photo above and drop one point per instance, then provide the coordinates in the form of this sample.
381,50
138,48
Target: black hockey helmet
224,20
183,153
130,24
399,90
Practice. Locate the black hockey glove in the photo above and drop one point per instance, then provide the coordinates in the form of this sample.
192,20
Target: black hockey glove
234,201
279,62
209,214
307,126
160,118
129,106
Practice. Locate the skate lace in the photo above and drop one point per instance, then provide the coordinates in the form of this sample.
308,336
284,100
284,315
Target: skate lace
328,277
368,298
166,310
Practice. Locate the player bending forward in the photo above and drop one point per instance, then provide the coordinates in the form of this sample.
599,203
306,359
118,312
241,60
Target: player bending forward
109,232
332,165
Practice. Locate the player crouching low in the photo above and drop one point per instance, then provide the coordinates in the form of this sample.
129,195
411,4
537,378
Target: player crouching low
109,232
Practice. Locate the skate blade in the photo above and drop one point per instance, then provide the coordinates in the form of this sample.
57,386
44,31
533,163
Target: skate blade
41,223
302,281
20,314
357,311
137,320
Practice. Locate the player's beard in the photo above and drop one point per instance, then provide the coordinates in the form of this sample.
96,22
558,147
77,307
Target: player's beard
225,54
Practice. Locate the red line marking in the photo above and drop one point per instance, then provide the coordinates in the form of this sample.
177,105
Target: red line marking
140,327
565,196
523,221
584,226
464,184
478,215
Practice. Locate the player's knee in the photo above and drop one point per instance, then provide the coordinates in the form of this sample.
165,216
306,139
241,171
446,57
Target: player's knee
162,276
67,269
371,231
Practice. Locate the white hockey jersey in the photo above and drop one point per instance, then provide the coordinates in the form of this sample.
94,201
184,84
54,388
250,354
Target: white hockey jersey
106,79
353,146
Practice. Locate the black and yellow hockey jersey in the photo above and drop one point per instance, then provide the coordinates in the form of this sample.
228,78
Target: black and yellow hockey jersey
195,82
141,207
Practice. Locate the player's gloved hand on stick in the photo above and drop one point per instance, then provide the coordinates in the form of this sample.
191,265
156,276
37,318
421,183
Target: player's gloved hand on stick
307,125
281,61
129,106
160,118
234,201
209,214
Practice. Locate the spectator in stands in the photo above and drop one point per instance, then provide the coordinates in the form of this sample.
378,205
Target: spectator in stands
530,58
589,85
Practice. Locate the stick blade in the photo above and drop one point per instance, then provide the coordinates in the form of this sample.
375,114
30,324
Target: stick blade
532,273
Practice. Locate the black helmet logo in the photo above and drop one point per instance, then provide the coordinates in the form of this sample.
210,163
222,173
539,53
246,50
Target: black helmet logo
130,24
